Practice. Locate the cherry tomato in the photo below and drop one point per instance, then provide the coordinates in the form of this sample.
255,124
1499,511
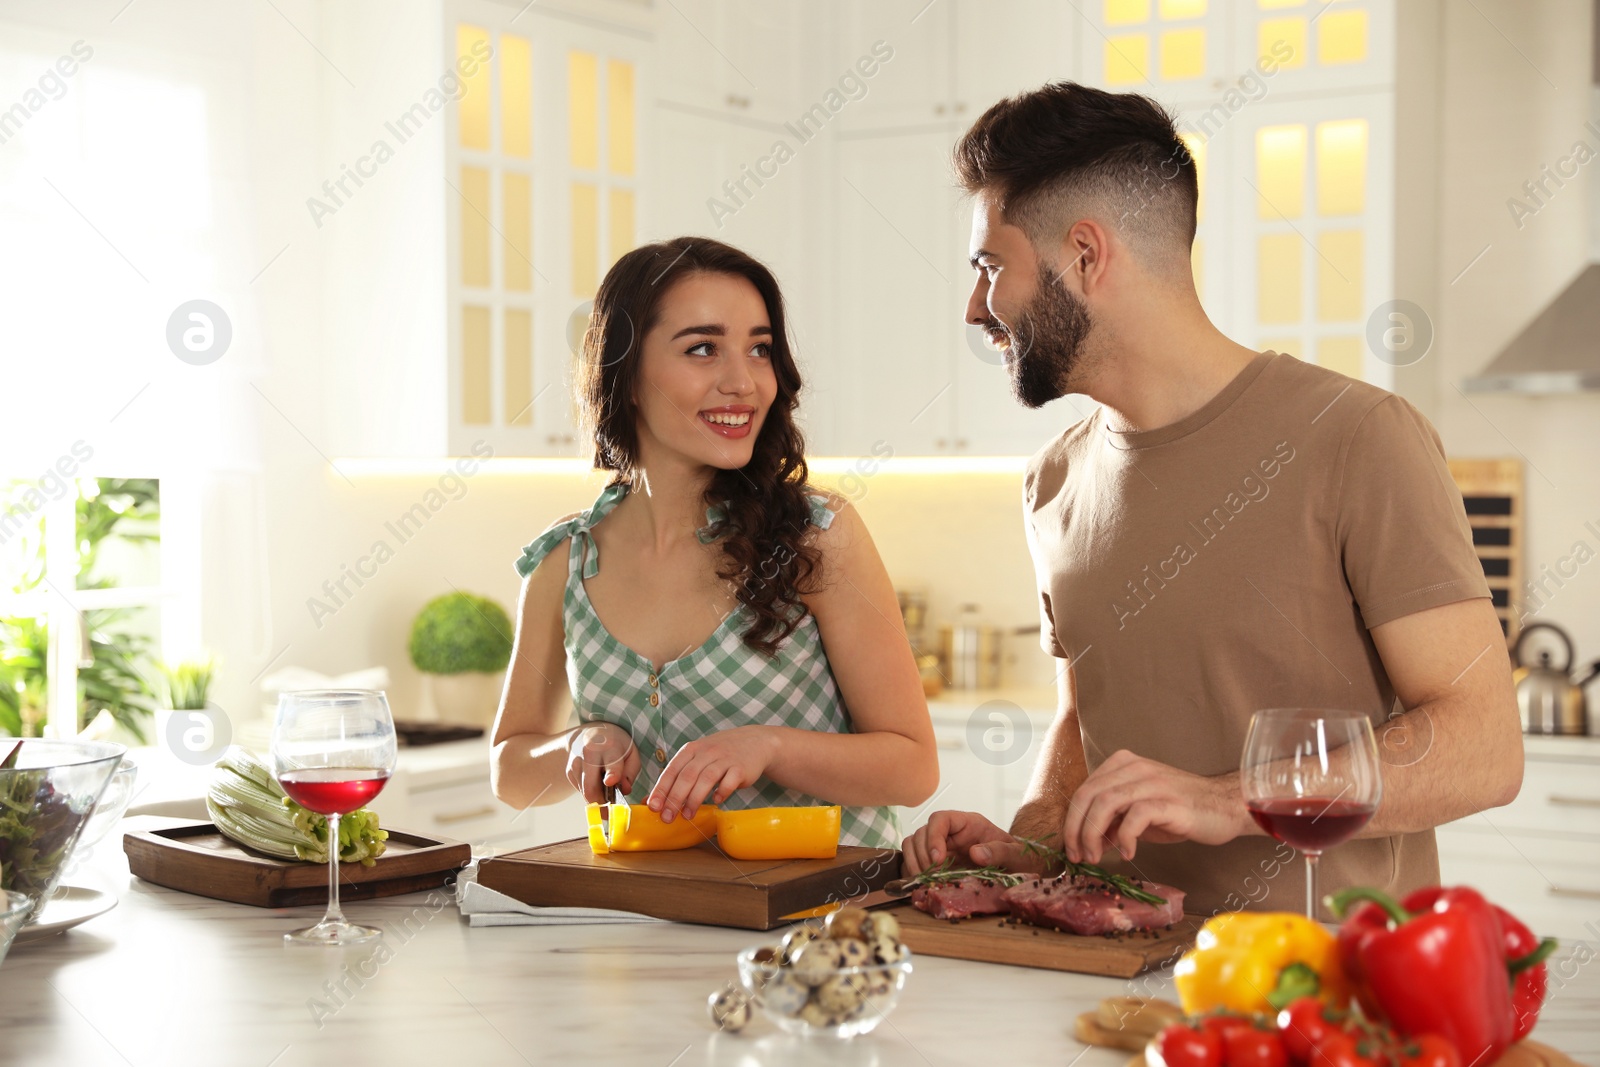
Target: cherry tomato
1224,1024
1249,1047
1429,1050
1338,1049
1303,1024
1184,1046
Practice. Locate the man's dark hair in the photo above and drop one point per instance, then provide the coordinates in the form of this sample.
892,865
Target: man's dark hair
1053,155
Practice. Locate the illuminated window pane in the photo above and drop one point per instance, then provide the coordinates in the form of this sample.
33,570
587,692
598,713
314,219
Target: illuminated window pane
1127,58
1289,346
620,203
517,226
475,227
1268,5
519,367
1183,54
1124,12
585,239
1273,34
1342,37
1197,150
1280,171
1197,261
1342,354
1342,167
619,116
1339,275
473,108
475,365
1278,267
1182,9
516,96
583,109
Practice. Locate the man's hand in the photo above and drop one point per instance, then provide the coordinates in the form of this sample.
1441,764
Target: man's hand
1129,798
971,839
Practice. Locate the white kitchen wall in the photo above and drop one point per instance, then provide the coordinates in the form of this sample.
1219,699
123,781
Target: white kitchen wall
1513,97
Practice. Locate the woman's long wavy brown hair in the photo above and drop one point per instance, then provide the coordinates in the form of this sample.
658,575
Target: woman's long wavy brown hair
766,553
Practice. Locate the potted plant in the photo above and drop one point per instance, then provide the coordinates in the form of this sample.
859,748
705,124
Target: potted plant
461,643
184,686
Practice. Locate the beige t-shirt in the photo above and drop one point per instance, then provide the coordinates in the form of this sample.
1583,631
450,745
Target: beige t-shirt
1233,561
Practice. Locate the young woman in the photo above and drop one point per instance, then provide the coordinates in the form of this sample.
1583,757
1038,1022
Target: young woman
726,635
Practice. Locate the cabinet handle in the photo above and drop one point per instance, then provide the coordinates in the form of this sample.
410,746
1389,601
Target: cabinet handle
961,442
950,743
463,816
1574,802
938,442
1581,894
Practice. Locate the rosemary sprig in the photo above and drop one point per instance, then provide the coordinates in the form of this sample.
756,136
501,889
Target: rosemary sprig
945,873
1116,881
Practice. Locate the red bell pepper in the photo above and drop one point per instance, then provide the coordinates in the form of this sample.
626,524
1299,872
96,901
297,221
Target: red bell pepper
1440,971
1525,955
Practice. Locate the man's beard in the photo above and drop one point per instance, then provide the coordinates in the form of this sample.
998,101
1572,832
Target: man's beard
1047,344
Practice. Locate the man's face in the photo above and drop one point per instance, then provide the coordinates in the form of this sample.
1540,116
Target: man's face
1025,307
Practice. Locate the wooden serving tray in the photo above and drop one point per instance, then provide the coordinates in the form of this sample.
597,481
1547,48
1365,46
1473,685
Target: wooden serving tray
990,939
200,859
697,885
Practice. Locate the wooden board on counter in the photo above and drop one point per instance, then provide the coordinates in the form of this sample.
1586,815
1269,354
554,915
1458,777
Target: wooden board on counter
200,859
698,885
989,939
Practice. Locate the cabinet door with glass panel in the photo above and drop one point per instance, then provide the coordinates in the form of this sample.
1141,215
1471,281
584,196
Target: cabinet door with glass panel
543,168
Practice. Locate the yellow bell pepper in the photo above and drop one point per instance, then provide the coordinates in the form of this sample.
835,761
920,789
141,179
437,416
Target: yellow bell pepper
1258,962
779,833
638,829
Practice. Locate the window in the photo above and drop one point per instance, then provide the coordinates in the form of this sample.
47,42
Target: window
80,608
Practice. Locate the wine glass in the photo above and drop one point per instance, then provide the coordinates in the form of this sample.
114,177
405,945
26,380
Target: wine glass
1311,779
332,751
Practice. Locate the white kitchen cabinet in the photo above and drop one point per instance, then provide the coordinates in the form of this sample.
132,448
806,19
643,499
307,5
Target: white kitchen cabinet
443,790
986,756
1538,856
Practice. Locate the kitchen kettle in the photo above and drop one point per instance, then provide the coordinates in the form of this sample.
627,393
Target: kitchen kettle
1550,701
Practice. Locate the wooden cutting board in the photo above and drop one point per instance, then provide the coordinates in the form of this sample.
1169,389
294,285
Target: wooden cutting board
200,859
1525,1053
988,939
697,885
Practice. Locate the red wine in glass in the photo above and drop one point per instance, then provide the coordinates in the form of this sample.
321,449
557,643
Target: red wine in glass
1311,824
1311,778
334,790
332,751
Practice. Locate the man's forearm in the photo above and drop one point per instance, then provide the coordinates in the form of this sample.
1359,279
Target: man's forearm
1442,761
1056,777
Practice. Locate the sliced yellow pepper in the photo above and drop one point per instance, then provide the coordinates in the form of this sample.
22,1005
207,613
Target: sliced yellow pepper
1247,961
779,833
638,829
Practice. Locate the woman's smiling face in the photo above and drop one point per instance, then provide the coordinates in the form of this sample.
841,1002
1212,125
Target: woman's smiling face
706,380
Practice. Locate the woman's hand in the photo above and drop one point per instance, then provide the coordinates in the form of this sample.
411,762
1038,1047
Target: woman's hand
599,756
718,764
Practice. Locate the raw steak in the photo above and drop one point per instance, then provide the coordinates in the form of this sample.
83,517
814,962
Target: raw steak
1084,905
958,900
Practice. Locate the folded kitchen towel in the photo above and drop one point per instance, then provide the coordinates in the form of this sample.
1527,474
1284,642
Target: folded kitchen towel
483,906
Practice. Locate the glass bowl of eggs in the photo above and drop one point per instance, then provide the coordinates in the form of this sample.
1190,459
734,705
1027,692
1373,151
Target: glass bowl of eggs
837,979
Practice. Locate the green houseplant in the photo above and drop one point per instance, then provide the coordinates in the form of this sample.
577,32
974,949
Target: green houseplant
461,643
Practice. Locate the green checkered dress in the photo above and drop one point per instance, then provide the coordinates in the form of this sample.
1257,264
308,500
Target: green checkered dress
722,684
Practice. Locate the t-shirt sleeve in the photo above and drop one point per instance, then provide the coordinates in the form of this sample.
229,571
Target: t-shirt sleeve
1403,532
1041,568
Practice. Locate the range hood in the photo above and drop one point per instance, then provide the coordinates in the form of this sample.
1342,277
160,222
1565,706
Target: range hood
1559,351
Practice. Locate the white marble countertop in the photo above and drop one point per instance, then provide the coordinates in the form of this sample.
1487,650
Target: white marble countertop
167,978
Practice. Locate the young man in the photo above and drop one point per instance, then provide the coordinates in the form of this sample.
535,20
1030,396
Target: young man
1231,530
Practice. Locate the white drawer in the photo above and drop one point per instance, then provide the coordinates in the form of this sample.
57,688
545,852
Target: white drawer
464,812
1551,884
1556,797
